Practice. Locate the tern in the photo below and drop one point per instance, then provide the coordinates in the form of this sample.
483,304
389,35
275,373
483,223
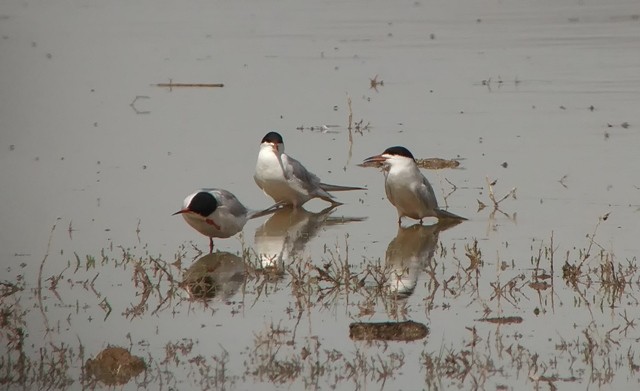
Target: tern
217,213
407,189
286,180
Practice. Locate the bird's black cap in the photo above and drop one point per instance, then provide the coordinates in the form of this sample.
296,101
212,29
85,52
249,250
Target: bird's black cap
400,151
272,137
203,204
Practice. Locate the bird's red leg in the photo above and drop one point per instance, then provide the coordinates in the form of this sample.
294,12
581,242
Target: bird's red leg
210,245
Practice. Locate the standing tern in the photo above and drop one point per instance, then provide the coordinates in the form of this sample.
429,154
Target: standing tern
217,213
407,189
286,180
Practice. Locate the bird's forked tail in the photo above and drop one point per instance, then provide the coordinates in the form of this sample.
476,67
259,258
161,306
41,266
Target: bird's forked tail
443,214
259,213
328,187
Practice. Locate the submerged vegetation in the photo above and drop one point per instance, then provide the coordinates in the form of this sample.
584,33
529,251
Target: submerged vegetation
388,314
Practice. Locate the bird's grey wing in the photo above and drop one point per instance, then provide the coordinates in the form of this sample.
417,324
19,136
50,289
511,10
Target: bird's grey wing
425,192
227,200
295,172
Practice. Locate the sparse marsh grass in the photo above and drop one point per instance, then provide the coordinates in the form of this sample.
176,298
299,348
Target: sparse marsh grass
507,304
275,358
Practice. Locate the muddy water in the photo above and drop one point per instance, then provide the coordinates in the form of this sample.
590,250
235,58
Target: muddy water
541,98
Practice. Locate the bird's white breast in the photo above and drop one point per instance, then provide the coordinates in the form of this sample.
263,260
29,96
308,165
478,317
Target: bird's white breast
268,167
401,184
271,178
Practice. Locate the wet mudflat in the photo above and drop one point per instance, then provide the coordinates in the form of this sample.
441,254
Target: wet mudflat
100,285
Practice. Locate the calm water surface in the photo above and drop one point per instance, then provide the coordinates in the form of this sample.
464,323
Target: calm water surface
541,98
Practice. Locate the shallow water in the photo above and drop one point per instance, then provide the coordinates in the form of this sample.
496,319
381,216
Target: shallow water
541,98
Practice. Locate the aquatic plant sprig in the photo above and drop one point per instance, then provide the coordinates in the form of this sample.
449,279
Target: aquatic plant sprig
8,288
492,197
496,205
571,272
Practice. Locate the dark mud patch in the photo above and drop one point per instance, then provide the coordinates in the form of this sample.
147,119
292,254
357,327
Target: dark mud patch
114,366
436,163
503,320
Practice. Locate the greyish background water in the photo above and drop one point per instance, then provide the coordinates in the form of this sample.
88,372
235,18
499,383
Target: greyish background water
546,87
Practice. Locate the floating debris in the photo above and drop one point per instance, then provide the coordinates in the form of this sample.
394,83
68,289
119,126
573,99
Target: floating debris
623,125
433,163
374,83
388,331
499,82
320,128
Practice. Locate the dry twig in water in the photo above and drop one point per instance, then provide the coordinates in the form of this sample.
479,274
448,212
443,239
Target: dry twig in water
171,85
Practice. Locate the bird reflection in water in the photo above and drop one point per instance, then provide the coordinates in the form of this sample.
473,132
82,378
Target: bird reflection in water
409,252
219,274
286,233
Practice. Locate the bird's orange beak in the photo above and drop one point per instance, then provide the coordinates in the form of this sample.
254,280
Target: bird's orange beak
376,158
181,211
373,161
